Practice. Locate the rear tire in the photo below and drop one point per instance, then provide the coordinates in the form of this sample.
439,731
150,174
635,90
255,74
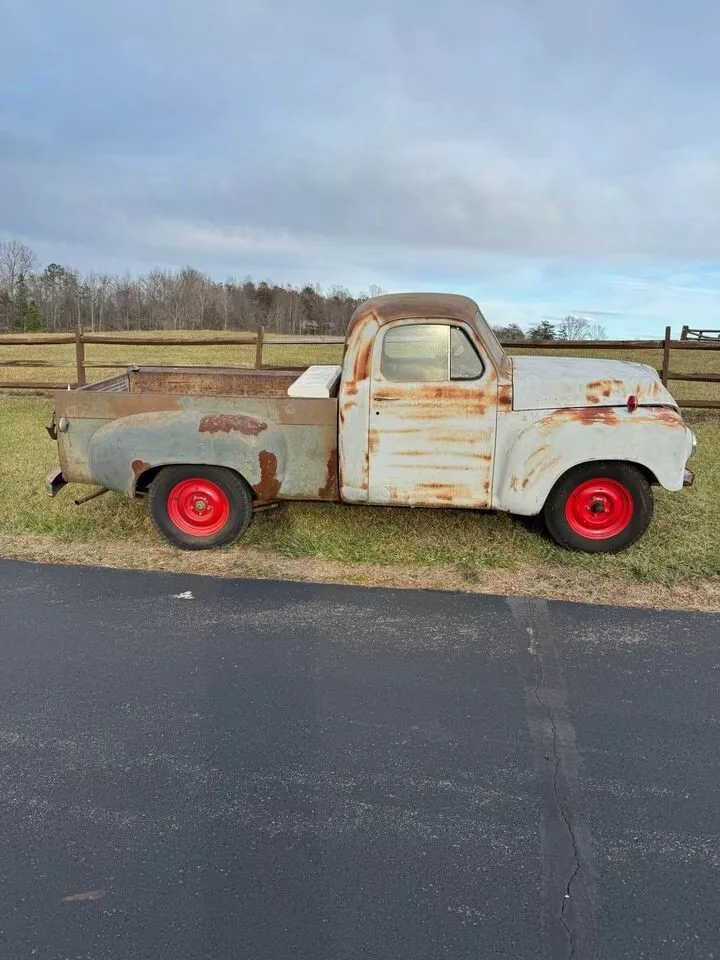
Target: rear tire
601,507
197,508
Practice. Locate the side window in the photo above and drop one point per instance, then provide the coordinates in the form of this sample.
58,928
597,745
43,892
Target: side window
465,364
416,352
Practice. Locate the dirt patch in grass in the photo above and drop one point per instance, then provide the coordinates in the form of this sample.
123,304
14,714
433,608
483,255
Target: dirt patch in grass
545,582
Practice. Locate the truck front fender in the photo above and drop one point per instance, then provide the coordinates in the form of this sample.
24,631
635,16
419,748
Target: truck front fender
120,452
535,449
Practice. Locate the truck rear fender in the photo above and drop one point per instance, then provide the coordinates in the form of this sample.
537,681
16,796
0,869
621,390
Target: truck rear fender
535,449
126,449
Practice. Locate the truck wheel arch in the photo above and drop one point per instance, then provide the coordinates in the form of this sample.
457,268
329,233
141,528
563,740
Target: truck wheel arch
144,480
641,467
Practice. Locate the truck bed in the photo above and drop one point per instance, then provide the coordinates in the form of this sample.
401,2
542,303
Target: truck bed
286,447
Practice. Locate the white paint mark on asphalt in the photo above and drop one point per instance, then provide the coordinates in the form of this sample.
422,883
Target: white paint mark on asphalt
187,595
83,897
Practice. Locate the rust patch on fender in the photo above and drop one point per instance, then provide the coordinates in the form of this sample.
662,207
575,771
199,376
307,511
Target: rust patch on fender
268,486
582,415
329,490
608,415
373,441
514,483
537,452
665,415
535,463
229,422
138,467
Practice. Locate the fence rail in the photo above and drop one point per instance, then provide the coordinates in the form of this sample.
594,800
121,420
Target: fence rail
80,365
688,333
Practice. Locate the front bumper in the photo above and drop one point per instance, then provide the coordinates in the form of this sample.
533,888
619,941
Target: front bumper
688,478
54,482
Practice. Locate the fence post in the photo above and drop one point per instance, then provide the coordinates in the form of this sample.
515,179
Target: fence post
666,357
684,332
259,347
79,356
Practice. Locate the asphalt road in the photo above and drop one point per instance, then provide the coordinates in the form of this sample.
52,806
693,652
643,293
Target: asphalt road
200,769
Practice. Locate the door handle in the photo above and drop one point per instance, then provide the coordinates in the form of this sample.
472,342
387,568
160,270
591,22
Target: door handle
377,397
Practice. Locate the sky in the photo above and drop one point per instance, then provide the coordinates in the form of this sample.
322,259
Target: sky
542,156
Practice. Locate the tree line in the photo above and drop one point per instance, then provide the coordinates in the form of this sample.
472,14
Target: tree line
58,298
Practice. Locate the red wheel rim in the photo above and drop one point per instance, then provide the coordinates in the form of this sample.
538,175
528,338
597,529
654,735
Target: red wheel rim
599,509
198,507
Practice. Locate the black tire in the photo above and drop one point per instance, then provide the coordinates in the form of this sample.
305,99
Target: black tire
237,504
632,482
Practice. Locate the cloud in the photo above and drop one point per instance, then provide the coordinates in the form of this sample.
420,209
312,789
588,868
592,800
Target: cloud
397,142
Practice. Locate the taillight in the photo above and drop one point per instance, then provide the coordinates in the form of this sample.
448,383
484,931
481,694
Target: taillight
632,403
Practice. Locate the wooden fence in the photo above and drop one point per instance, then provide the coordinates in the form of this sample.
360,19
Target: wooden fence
689,333
259,340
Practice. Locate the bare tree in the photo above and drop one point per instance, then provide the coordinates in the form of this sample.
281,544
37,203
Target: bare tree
509,332
597,332
580,328
16,260
161,299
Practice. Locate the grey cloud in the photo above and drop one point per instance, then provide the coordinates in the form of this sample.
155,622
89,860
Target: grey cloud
400,132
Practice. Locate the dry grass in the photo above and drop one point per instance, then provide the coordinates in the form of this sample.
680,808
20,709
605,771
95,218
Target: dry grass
546,582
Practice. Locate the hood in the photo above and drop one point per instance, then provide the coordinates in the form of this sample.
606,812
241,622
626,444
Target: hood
546,383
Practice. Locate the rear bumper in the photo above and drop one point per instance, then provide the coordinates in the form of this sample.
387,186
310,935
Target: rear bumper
54,482
688,478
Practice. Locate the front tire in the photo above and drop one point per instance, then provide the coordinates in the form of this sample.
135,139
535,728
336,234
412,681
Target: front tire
601,507
197,508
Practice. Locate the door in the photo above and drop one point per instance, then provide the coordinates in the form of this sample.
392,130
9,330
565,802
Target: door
433,411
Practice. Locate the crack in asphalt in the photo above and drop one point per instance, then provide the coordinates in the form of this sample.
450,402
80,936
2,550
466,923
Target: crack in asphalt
540,682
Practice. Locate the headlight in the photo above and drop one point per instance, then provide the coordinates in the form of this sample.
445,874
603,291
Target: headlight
693,451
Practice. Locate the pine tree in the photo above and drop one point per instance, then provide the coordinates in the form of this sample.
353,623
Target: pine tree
33,320
542,331
20,302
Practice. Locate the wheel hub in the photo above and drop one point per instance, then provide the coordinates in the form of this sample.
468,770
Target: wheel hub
599,509
198,507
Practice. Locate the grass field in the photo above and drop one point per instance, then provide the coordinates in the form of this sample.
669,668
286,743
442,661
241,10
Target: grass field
681,547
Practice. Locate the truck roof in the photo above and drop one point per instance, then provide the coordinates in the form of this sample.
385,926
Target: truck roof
405,306
429,306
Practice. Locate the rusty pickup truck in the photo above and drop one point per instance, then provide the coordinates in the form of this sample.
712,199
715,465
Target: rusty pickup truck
427,410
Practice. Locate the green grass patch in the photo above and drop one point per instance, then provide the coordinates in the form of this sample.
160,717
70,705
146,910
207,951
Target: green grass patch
683,541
